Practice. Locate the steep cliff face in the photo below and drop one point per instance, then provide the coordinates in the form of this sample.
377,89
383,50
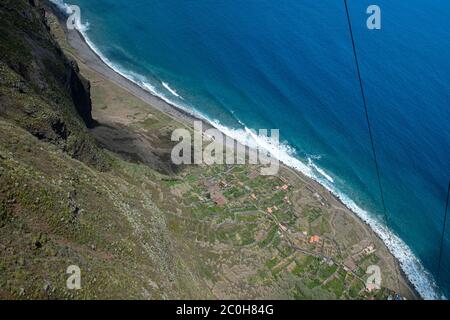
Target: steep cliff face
80,94
135,231
41,90
55,210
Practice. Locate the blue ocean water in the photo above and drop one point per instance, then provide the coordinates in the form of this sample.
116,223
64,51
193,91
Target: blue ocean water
289,65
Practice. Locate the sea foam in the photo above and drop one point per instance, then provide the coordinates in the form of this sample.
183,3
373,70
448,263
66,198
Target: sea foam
417,274
410,264
172,91
320,170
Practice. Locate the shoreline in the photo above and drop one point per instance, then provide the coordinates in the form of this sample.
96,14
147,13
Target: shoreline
86,53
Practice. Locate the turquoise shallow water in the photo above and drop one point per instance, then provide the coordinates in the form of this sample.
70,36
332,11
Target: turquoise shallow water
289,65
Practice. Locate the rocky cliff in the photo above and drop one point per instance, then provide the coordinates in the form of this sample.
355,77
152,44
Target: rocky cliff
135,228
42,90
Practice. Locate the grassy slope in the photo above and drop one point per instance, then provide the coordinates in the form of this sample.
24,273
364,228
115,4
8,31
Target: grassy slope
58,211
137,233
62,199
41,90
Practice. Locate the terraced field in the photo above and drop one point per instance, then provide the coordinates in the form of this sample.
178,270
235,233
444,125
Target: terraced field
139,227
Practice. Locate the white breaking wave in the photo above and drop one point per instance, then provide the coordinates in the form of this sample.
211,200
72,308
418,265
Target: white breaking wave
140,80
128,74
414,270
137,79
320,170
315,156
149,88
411,265
172,91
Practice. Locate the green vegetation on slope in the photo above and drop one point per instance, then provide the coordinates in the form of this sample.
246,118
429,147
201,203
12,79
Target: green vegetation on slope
135,228
40,89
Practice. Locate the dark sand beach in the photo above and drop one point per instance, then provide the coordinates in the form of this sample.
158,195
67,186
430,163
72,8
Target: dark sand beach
86,56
